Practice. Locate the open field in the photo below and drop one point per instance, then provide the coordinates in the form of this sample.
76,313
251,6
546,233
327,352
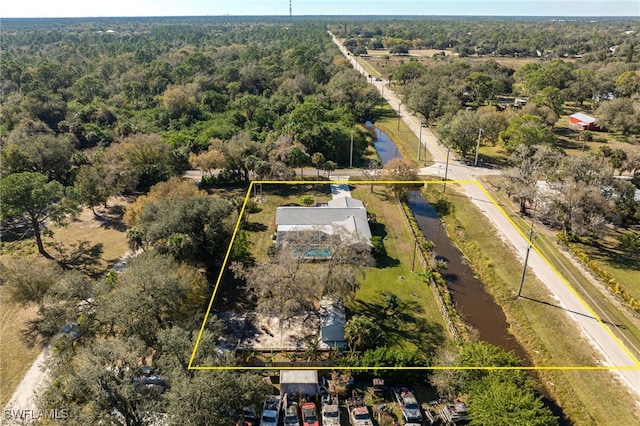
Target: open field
551,339
412,52
568,139
89,244
382,62
621,265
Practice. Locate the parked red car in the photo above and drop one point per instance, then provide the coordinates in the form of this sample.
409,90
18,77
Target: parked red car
309,414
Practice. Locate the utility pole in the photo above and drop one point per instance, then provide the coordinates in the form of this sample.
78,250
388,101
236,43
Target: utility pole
351,152
526,260
446,170
290,11
420,141
475,163
415,249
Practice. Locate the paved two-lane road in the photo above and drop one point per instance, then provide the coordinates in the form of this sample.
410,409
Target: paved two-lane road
612,352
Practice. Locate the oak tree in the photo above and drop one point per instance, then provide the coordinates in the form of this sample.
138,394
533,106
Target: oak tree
29,196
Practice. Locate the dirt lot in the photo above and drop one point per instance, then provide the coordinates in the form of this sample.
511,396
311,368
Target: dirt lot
254,331
16,351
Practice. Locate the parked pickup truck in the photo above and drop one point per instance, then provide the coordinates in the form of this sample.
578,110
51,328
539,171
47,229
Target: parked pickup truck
271,411
408,404
330,411
358,411
291,411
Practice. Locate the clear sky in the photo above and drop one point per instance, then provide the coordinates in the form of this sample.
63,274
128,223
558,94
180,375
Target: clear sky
91,8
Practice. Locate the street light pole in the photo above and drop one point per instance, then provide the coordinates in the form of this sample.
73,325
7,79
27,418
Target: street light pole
526,260
475,163
399,109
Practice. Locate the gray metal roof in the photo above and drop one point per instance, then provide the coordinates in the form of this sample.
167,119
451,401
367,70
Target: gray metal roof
583,117
332,322
344,212
299,376
345,202
332,312
316,215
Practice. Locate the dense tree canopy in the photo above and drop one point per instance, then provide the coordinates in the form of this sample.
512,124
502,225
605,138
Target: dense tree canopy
527,130
154,293
493,401
496,396
277,281
621,114
192,227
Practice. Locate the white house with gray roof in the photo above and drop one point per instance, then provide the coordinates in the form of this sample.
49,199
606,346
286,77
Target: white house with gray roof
345,216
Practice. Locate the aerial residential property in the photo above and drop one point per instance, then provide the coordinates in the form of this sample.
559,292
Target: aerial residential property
304,213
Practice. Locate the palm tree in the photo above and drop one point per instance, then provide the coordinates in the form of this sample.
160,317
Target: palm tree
318,160
362,332
329,166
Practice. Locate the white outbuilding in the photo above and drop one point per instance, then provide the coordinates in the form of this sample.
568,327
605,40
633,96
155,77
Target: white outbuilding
332,322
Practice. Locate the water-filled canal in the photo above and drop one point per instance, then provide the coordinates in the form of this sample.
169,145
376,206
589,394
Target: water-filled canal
385,147
475,305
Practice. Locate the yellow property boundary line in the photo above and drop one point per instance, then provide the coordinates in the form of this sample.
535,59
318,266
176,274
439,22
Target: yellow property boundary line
383,182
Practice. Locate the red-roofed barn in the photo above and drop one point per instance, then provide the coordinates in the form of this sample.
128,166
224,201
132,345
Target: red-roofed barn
583,121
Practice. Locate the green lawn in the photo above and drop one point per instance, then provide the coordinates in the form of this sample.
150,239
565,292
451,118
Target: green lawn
367,67
548,335
623,266
421,324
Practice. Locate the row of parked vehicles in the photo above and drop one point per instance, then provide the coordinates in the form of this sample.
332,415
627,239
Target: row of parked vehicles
294,412
304,412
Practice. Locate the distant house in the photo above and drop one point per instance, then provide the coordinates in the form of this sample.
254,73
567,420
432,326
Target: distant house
332,322
312,227
519,102
583,121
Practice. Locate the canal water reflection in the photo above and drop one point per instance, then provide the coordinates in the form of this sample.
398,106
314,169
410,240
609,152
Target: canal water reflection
385,147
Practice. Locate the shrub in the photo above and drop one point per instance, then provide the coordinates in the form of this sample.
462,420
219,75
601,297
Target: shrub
630,242
379,250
